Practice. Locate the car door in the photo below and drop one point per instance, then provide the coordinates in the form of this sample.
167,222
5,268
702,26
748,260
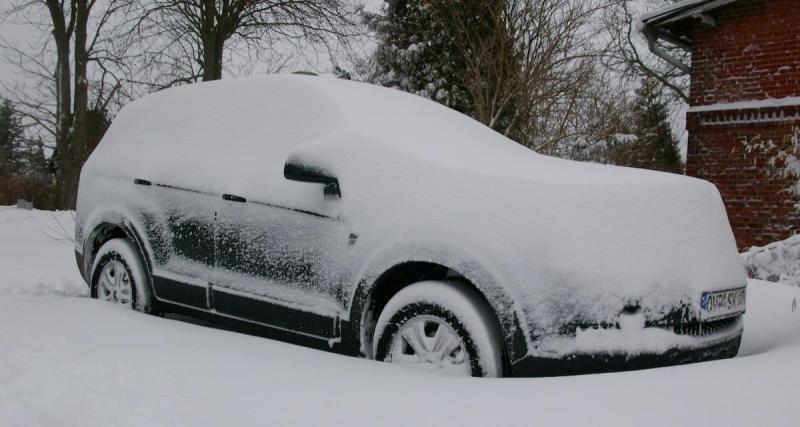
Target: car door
280,265
180,227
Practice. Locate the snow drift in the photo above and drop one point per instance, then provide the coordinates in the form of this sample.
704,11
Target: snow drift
777,261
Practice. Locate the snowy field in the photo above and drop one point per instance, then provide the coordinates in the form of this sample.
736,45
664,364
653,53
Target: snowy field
67,360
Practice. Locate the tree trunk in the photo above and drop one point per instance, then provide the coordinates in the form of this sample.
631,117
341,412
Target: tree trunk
62,75
212,57
78,140
212,41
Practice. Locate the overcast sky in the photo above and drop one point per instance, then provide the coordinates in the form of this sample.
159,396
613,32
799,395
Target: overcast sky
22,36
11,32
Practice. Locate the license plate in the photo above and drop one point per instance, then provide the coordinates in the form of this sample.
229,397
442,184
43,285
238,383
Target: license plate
721,304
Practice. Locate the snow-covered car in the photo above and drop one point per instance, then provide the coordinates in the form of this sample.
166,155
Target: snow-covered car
381,224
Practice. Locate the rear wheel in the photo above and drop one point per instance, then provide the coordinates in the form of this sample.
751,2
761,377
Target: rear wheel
119,276
440,326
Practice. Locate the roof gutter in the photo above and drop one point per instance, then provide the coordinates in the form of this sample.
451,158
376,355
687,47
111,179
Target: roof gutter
652,43
652,26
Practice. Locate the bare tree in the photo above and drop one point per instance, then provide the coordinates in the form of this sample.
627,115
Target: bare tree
529,64
187,39
599,119
56,94
628,55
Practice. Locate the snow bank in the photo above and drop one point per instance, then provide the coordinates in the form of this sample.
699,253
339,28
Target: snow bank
37,250
79,362
776,262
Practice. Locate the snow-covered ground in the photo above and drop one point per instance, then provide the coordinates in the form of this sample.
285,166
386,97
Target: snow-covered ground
68,360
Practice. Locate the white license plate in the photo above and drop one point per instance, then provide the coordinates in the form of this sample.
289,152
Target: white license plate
721,304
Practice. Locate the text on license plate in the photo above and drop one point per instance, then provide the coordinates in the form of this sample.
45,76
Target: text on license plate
719,304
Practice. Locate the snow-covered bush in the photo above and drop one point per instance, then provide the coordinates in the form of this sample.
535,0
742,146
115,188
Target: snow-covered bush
783,157
779,261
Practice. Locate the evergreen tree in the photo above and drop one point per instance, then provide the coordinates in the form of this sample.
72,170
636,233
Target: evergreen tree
10,135
23,165
656,147
639,137
511,65
417,53
37,161
97,123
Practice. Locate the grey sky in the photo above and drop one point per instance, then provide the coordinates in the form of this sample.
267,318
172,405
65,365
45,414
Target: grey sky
23,35
13,33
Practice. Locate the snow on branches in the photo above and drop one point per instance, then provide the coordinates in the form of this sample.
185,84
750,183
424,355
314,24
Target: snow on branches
783,157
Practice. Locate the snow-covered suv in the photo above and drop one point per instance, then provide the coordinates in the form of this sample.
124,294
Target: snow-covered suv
384,225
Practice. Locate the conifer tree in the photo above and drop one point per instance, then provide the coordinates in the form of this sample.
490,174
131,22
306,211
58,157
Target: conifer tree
417,52
655,146
10,135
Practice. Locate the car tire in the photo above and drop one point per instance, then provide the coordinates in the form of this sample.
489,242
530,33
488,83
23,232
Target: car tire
120,276
440,326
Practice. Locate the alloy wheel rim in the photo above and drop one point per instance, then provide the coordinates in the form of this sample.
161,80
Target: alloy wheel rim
115,284
428,342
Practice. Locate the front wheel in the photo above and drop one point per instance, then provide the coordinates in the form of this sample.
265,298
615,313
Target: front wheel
118,276
440,326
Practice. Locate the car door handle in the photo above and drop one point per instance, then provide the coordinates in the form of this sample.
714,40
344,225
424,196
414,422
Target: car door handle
234,198
138,181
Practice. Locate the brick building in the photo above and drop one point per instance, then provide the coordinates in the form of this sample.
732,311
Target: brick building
745,85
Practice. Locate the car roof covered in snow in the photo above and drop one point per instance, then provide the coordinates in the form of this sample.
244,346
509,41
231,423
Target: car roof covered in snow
258,122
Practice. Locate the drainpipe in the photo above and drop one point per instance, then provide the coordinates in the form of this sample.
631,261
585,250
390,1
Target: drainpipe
652,43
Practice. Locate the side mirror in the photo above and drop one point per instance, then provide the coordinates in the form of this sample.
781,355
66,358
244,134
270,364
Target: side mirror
295,170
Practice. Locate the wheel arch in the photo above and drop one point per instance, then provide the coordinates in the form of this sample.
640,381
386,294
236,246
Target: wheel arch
376,288
110,226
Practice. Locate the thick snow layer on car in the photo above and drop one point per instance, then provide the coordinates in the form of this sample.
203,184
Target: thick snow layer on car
173,136
547,240
633,341
67,360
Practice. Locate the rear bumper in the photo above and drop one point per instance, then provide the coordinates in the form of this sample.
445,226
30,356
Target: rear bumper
576,364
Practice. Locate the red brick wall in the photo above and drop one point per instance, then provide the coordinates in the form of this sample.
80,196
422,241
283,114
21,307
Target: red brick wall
759,209
753,54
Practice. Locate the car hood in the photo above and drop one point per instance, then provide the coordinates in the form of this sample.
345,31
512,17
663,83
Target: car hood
584,251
